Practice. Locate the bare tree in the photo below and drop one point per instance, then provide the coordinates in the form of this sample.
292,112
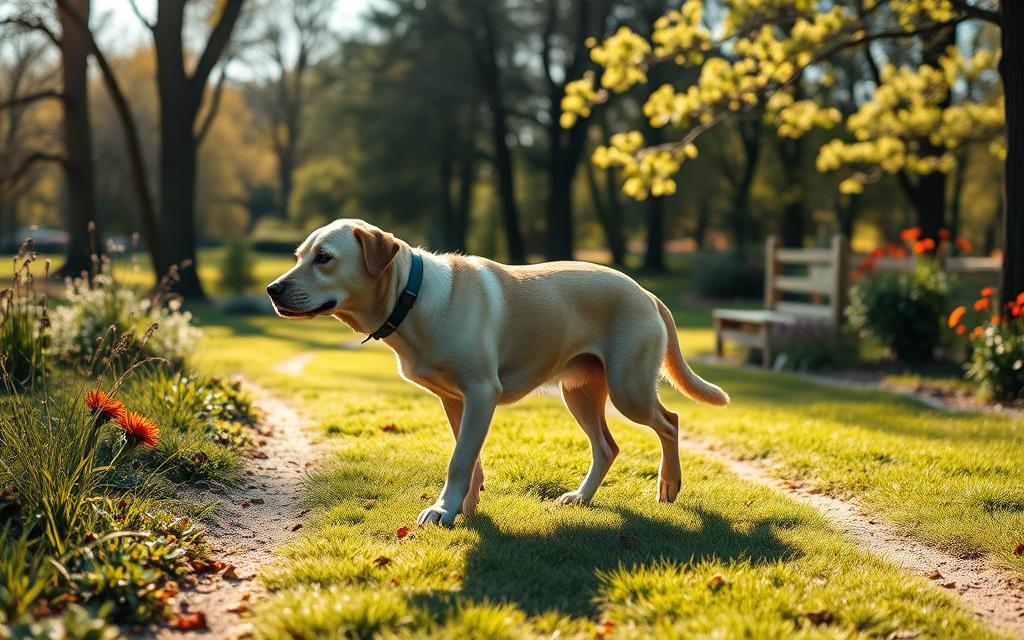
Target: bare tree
291,38
181,92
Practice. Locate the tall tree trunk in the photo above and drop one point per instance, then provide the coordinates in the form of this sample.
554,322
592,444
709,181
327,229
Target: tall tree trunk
490,79
180,97
793,226
559,244
78,159
654,256
1012,73
464,205
740,219
609,214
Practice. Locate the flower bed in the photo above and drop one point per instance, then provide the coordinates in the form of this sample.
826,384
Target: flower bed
102,421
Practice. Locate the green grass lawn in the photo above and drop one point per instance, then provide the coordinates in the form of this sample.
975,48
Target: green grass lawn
524,566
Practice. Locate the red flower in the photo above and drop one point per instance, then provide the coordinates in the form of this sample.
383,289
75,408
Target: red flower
954,317
977,332
981,303
402,532
867,264
898,252
944,234
1020,298
139,429
961,329
987,291
911,234
924,245
107,407
964,245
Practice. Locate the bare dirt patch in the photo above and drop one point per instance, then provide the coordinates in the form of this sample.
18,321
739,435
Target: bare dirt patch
248,524
995,596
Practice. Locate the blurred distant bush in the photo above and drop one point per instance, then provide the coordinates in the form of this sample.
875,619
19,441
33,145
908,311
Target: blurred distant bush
903,310
274,235
322,188
724,276
236,273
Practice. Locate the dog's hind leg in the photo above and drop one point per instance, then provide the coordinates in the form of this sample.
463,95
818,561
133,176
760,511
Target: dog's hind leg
632,384
453,409
585,399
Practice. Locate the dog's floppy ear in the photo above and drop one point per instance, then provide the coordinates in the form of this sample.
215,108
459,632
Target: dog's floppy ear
379,249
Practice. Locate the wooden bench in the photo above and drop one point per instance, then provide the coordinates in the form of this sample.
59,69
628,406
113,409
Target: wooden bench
817,277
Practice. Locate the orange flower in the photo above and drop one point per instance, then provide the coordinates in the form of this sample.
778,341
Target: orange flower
1016,310
961,329
981,303
139,429
996,320
977,332
924,245
107,407
911,234
878,252
1020,298
867,264
964,245
987,291
954,317
944,234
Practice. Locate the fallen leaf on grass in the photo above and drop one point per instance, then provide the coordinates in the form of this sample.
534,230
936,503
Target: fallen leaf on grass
716,582
792,484
948,585
296,526
402,532
389,427
231,572
382,561
1019,549
189,621
604,629
238,608
200,457
935,575
823,616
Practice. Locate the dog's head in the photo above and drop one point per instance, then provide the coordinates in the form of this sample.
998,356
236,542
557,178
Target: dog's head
336,265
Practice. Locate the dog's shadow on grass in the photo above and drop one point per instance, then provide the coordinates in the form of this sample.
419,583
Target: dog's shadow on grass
561,570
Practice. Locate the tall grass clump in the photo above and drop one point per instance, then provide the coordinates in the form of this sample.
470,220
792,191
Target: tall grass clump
23,324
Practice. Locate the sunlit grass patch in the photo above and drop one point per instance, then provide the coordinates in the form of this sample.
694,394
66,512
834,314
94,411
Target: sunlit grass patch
729,557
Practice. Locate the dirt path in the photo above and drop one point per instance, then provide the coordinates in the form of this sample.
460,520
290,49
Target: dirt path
995,596
249,523
293,366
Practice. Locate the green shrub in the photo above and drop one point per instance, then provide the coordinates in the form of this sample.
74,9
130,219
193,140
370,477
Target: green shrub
75,623
236,270
902,311
997,361
724,277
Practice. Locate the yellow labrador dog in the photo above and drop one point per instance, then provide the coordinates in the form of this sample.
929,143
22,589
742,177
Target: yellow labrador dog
477,334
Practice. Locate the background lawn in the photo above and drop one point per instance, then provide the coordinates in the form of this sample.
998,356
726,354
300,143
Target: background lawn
625,558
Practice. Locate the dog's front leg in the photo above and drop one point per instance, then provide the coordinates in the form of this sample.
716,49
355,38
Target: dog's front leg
477,411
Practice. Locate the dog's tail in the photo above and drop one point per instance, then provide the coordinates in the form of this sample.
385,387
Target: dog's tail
679,373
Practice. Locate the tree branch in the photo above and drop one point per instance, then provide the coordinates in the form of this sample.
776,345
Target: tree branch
33,23
211,112
6,182
218,41
138,14
31,97
988,15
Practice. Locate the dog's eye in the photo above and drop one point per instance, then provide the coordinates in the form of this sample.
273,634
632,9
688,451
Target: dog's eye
322,258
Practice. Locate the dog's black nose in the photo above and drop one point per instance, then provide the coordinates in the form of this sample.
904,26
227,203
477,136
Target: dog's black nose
275,289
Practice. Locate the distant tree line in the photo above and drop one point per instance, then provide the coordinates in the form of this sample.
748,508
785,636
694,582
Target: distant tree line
441,119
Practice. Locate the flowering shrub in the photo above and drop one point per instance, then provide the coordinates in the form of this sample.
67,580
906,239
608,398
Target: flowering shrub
95,306
902,309
996,359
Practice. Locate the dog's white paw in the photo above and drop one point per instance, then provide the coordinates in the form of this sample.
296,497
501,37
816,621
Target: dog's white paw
436,515
573,497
